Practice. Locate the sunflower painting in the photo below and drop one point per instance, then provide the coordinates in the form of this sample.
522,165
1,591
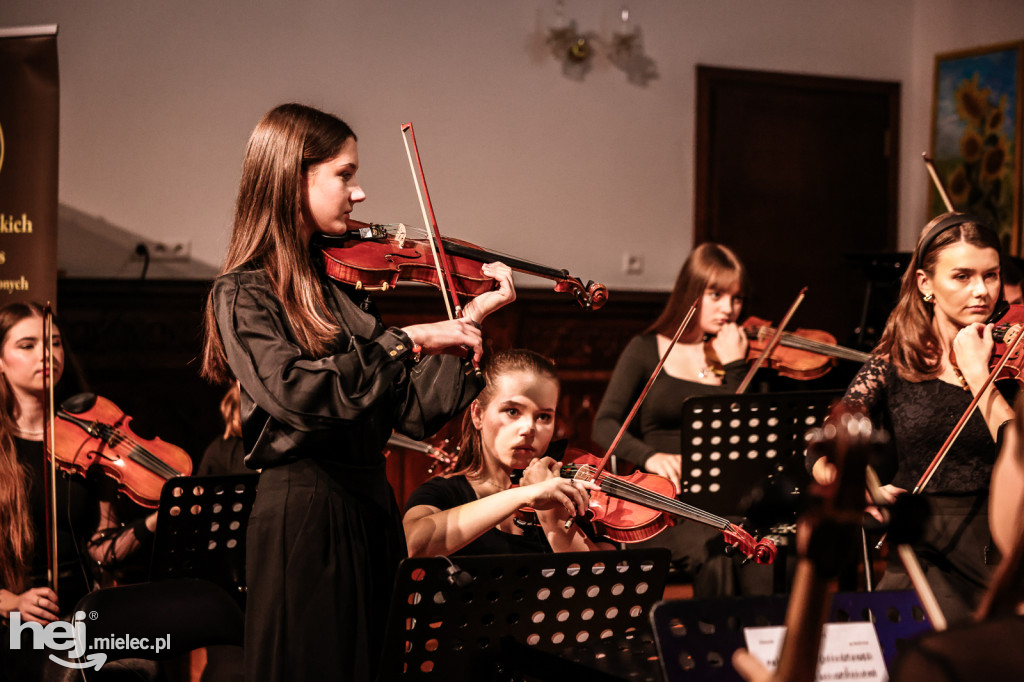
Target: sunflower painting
976,135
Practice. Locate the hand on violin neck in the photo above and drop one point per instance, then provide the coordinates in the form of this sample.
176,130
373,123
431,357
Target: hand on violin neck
451,337
486,303
730,344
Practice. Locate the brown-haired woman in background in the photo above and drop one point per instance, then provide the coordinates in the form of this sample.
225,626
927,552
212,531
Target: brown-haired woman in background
85,512
323,384
507,428
992,643
911,387
714,276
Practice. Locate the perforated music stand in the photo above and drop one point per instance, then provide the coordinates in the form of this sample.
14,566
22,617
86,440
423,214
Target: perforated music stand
200,530
731,443
516,613
696,637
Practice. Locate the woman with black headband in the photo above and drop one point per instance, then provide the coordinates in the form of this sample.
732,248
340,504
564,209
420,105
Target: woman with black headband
914,389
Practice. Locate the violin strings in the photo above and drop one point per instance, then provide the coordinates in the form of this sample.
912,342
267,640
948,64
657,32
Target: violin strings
644,496
114,437
795,341
138,453
419,231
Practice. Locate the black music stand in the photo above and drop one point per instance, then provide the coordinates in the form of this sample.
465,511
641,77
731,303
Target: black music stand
200,530
579,615
732,443
696,637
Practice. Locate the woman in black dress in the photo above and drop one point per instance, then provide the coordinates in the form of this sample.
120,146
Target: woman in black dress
323,384
508,428
911,387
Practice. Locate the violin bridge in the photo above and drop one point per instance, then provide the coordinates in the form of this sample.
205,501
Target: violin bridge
400,235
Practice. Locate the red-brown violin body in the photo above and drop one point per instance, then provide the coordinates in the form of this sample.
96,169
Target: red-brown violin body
90,430
639,506
370,257
801,354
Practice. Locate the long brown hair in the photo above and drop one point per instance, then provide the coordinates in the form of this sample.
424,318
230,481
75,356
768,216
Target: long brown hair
909,340
230,410
17,540
709,265
1006,591
471,451
286,142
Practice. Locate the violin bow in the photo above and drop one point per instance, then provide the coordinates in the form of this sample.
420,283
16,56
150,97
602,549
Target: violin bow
49,452
444,270
938,183
772,343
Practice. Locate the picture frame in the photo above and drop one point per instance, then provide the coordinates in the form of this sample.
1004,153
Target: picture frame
976,136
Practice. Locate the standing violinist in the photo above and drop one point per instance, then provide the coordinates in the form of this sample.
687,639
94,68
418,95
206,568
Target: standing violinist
913,387
323,384
710,358
84,507
507,428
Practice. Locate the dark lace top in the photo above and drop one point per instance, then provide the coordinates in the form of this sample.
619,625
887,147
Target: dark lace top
920,415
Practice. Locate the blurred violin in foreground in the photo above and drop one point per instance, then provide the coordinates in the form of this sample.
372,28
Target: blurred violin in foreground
374,257
91,430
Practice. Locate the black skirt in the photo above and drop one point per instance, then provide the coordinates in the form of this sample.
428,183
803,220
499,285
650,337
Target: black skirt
323,547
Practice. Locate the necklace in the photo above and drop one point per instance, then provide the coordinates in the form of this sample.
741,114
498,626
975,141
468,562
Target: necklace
703,372
26,432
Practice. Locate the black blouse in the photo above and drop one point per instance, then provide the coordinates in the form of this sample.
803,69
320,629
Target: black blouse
76,519
451,492
920,415
340,408
658,425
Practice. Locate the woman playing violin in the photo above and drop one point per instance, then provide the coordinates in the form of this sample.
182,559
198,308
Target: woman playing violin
992,643
323,384
507,429
709,359
84,506
911,384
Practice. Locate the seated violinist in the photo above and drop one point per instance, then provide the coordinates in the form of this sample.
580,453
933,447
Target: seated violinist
710,358
84,507
507,428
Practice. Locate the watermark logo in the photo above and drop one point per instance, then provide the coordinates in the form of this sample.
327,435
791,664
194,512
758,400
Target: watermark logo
71,638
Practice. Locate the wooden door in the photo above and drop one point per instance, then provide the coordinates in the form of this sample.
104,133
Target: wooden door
797,174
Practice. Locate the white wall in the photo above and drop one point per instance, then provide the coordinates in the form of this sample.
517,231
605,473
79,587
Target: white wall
158,98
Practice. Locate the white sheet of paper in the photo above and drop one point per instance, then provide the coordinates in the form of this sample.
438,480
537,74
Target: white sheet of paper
849,651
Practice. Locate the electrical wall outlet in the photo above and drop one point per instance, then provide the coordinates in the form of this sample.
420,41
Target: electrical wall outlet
633,263
165,251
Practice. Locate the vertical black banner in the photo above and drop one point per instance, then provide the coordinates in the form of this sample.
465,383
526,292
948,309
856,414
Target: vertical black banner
29,132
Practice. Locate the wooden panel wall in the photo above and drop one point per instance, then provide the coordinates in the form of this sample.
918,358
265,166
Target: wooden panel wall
136,342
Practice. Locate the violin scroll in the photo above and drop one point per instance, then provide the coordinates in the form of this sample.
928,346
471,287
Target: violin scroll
760,550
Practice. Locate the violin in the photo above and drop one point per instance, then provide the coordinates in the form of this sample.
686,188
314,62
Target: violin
89,429
639,506
801,354
371,257
1008,321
